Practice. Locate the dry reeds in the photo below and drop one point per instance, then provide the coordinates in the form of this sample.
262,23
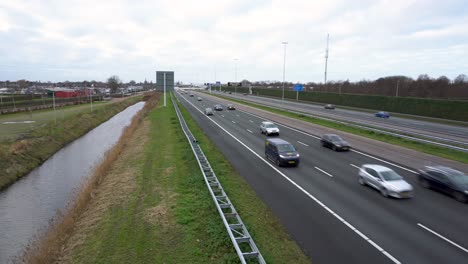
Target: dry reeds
47,248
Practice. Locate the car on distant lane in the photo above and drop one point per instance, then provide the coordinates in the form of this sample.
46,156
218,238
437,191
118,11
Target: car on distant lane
218,107
387,181
191,94
231,107
334,142
208,111
269,128
199,99
382,114
329,106
445,180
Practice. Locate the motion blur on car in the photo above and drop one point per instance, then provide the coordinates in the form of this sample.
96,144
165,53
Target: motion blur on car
382,114
218,107
329,106
231,107
208,111
199,99
334,142
269,128
445,180
385,180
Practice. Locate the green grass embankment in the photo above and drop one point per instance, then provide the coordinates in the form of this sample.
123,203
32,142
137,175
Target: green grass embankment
436,108
399,141
168,216
18,156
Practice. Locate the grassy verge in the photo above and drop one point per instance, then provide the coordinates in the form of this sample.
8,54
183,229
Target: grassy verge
269,235
152,206
415,145
20,156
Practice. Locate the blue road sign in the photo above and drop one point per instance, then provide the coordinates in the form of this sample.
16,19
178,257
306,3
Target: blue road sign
298,87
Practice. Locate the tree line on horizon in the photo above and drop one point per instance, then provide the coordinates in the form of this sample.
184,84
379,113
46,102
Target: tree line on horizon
424,86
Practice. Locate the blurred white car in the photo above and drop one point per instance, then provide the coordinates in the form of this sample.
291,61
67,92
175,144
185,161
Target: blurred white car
269,128
387,181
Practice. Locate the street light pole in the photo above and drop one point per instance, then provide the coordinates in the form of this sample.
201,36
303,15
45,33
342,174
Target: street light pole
235,77
284,69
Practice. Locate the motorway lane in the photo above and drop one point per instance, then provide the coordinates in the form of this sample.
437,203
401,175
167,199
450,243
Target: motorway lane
389,222
450,132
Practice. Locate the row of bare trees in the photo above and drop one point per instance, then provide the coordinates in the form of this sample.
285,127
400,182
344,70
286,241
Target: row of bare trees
424,86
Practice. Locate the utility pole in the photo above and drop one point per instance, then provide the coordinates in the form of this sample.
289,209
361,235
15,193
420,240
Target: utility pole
164,89
397,84
284,70
326,59
235,78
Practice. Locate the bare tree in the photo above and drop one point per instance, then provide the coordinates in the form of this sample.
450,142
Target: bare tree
114,83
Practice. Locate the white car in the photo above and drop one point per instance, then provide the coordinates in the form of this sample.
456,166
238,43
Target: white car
269,128
387,181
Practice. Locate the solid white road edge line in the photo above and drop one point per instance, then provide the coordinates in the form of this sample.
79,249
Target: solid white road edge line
444,238
302,143
304,191
324,171
355,166
364,154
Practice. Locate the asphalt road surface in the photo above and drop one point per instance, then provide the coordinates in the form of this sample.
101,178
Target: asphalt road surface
451,134
322,205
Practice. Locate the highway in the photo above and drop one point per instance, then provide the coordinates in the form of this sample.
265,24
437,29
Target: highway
448,134
322,205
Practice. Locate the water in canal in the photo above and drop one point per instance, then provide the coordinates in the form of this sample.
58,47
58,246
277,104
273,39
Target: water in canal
27,206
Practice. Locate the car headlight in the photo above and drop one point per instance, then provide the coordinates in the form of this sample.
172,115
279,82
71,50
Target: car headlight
297,155
338,145
466,192
282,156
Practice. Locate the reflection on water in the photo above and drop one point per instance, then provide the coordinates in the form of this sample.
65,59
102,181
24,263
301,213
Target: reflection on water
28,205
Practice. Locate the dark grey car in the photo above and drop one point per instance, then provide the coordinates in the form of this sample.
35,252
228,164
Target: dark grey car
445,180
334,142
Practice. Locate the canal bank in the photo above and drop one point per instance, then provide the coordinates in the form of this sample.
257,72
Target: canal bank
21,155
28,205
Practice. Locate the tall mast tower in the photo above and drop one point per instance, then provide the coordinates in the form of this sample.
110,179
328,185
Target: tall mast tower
326,59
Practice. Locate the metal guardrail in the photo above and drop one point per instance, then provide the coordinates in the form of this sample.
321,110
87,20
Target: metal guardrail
240,237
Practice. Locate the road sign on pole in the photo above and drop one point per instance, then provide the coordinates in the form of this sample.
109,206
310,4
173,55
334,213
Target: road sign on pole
298,88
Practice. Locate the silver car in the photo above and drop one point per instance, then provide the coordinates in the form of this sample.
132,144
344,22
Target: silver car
387,181
208,111
269,128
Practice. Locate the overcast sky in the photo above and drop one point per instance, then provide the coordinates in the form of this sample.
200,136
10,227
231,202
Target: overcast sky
198,39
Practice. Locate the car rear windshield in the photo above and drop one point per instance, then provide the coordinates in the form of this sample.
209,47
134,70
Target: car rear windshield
390,175
286,148
270,125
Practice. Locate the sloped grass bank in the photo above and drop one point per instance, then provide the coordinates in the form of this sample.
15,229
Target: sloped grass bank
19,157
